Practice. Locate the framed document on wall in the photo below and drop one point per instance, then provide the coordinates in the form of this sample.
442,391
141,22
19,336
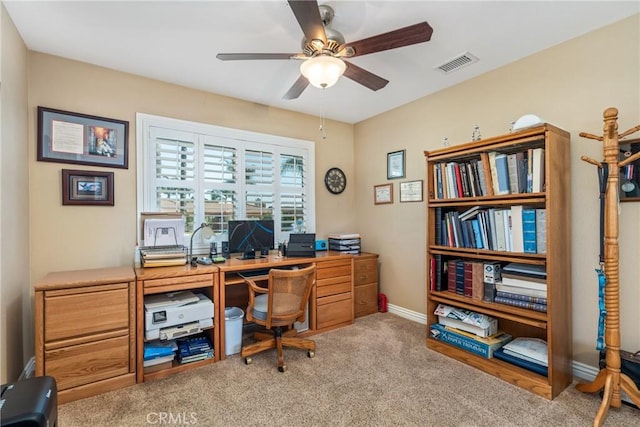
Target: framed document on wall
383,194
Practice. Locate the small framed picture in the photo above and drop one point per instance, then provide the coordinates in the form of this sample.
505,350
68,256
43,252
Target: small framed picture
395,164
411,191
383,194
630,173
66,137
87,187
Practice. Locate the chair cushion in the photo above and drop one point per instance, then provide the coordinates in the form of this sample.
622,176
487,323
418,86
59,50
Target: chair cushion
260,307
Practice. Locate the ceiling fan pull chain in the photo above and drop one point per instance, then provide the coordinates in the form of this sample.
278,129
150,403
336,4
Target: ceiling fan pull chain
323,134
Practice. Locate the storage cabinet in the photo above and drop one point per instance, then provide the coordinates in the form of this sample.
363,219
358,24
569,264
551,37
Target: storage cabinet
85,330
201,279
332,299
365,284
554,197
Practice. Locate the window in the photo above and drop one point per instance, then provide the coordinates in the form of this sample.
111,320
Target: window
213,174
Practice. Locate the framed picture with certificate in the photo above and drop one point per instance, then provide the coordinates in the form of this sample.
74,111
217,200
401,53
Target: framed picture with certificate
383,194
66,137
395,164
411,191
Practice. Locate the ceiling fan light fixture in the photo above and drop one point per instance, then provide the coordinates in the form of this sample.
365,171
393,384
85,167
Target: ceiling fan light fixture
323,71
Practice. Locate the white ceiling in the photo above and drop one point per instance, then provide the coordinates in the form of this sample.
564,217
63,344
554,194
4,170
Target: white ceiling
177,41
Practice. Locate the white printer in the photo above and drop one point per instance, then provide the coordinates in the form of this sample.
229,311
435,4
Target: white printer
176,314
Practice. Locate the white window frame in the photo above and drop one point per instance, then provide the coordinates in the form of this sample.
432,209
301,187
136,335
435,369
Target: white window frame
146,201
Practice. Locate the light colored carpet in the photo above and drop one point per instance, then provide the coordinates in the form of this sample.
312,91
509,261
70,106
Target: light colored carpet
377,372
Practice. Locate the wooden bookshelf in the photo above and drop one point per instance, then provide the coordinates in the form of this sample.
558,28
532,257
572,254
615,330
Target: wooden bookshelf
554,326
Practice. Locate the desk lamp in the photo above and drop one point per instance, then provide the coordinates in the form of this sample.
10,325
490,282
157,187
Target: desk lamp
191,257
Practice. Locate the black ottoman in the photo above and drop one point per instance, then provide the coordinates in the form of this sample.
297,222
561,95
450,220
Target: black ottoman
32,402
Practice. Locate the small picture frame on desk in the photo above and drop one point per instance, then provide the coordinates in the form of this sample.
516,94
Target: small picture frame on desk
383,194
87,188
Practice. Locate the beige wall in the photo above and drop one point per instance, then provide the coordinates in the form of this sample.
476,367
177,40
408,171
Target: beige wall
15,301
569,85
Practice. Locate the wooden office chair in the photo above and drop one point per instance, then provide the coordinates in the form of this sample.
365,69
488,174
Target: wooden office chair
280,305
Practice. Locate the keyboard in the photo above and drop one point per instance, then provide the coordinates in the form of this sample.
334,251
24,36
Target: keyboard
254,273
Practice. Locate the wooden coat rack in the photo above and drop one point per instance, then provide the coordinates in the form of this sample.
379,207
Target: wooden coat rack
610,377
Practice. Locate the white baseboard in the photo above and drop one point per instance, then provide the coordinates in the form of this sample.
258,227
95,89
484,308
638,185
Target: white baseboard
580,370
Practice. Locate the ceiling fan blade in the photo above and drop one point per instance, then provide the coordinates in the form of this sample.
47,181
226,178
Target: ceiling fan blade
401,37
308,15
244,56
298,87
364,77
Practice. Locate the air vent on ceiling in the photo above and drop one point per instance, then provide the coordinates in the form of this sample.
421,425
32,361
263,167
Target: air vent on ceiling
458,62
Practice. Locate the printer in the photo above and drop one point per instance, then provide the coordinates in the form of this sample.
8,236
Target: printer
176,314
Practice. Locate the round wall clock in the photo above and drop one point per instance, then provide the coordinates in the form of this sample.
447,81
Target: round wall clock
335,180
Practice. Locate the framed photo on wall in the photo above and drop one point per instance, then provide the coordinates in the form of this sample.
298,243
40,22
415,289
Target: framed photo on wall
383,194
66,137
411,191
395,164
87,187
630,173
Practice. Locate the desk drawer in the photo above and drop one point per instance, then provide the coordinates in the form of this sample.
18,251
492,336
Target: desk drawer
173,284
365,299
333,285
328,269
87,363
365,271
334,310
85,311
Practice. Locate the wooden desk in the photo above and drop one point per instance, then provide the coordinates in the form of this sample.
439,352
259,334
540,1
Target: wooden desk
331,301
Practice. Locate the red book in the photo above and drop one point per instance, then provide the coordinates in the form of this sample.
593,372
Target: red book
451,276
468,278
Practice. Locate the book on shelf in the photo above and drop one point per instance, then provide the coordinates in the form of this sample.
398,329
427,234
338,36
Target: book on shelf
488,175
522,172
500,287
459,277
520,303
477,345
477,281
157,367
537,178
489,292
522,283
529,235
541,231
528,269
159,360
155,349
512,166
511,295
499,230
517,235
502,173
531,349
533,367
467,320
468,278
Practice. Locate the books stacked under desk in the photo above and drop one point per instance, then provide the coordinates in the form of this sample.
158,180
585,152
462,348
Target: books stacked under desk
344,243
470,331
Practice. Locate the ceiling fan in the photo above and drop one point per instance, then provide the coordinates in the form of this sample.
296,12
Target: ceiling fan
324,49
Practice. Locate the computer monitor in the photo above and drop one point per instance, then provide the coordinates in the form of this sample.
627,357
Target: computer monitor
251,234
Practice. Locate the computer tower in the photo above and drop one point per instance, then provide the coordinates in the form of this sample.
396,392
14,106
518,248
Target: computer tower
30,403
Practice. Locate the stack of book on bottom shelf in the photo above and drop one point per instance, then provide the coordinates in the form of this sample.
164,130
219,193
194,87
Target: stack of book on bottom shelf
524,286
527,353
470,331
194,349
158,355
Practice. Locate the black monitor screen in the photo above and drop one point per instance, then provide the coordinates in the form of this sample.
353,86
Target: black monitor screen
251,234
